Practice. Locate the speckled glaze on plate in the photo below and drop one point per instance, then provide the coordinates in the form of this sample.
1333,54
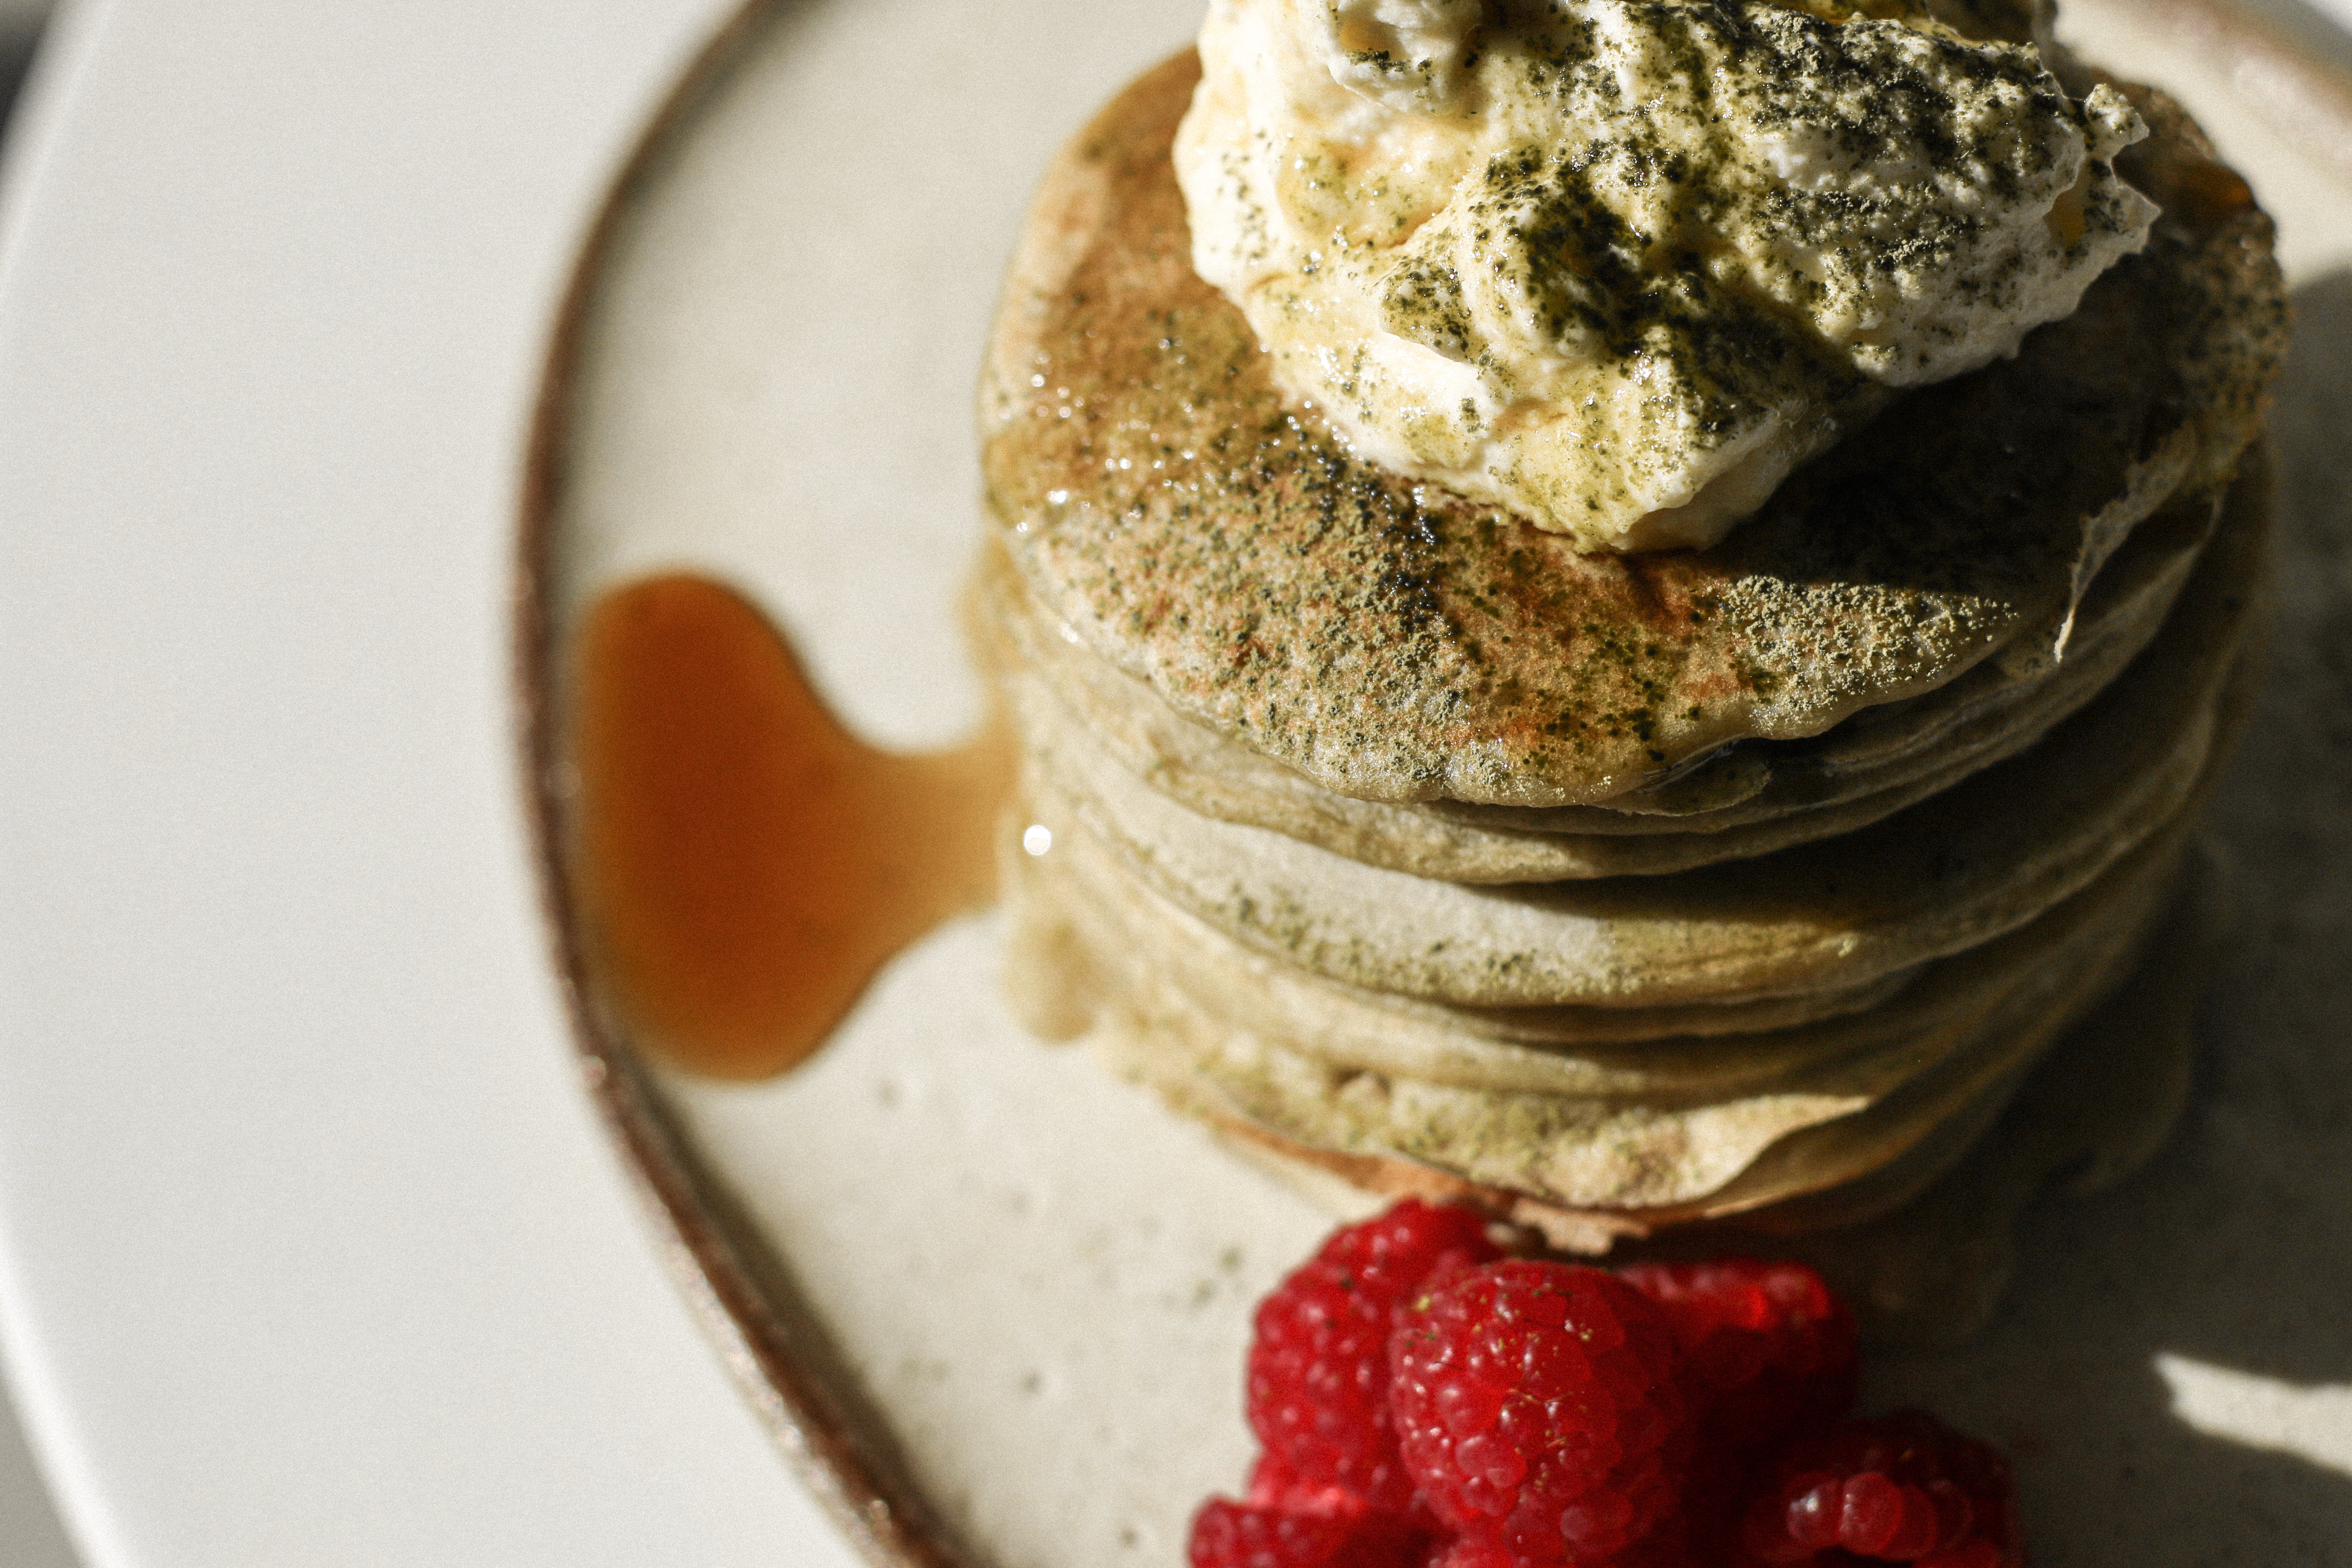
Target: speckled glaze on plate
991,1302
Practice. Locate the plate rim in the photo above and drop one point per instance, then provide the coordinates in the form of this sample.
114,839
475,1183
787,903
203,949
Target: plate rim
741,1294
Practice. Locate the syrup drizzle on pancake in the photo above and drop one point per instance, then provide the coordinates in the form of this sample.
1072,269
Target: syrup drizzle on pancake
746,863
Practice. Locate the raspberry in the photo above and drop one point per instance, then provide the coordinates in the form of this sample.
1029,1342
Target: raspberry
1902,1488
1537,1405
1318,1376
1461,1552
1664,1547
1227,1534
1771,1351
1770,1348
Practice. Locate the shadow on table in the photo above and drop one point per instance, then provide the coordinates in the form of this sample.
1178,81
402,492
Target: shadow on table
2235,1248
30,1536
17,42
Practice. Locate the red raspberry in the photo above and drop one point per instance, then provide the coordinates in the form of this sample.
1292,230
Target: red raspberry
1661,1548
1664,1547
1771,1351
1770,1347
1319,1375
1228,1534
1537,1405
1902,1488
1462,1551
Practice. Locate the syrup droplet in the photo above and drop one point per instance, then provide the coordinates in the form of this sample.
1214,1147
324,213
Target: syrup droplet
745,865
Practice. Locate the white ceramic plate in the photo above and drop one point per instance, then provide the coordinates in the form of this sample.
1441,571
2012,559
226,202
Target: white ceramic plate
311,1249
993,1291
308,1249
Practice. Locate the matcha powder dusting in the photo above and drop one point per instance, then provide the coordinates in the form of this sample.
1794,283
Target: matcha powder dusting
1619,266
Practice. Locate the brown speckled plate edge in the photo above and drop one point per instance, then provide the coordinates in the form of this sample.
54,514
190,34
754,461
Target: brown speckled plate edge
739,1291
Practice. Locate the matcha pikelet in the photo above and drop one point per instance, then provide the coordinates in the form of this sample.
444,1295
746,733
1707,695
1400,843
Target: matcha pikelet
1986,854
1787,793
1412,819
1837,1102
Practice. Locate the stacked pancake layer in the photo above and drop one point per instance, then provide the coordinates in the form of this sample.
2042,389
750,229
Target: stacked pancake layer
1629,891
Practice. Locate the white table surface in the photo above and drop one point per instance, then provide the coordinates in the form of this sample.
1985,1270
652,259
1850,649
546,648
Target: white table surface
309,1250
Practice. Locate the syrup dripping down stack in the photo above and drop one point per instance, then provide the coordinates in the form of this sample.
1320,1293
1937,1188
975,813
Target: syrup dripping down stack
1625,893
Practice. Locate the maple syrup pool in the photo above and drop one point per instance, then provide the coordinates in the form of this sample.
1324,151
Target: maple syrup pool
745,863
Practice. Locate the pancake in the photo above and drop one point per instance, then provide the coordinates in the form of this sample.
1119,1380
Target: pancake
1065,902
1655,1164
1928,1265
1115,927
1922,1245
1853,1107
1394,643
2024,688
1972,863
1058,690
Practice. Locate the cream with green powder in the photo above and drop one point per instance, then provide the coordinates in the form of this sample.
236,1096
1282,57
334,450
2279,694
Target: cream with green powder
1619,266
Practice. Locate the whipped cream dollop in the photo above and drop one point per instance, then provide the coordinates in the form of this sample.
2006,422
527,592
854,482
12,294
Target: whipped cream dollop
1618,265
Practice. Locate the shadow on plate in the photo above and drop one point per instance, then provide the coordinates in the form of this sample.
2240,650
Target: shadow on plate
2184,1338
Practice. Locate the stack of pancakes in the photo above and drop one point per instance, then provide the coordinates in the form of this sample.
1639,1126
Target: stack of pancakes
1618,891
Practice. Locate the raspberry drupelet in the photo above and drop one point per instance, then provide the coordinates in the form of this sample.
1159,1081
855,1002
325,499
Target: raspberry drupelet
1539,1408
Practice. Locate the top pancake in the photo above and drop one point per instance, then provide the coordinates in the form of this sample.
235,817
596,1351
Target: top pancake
1395,642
